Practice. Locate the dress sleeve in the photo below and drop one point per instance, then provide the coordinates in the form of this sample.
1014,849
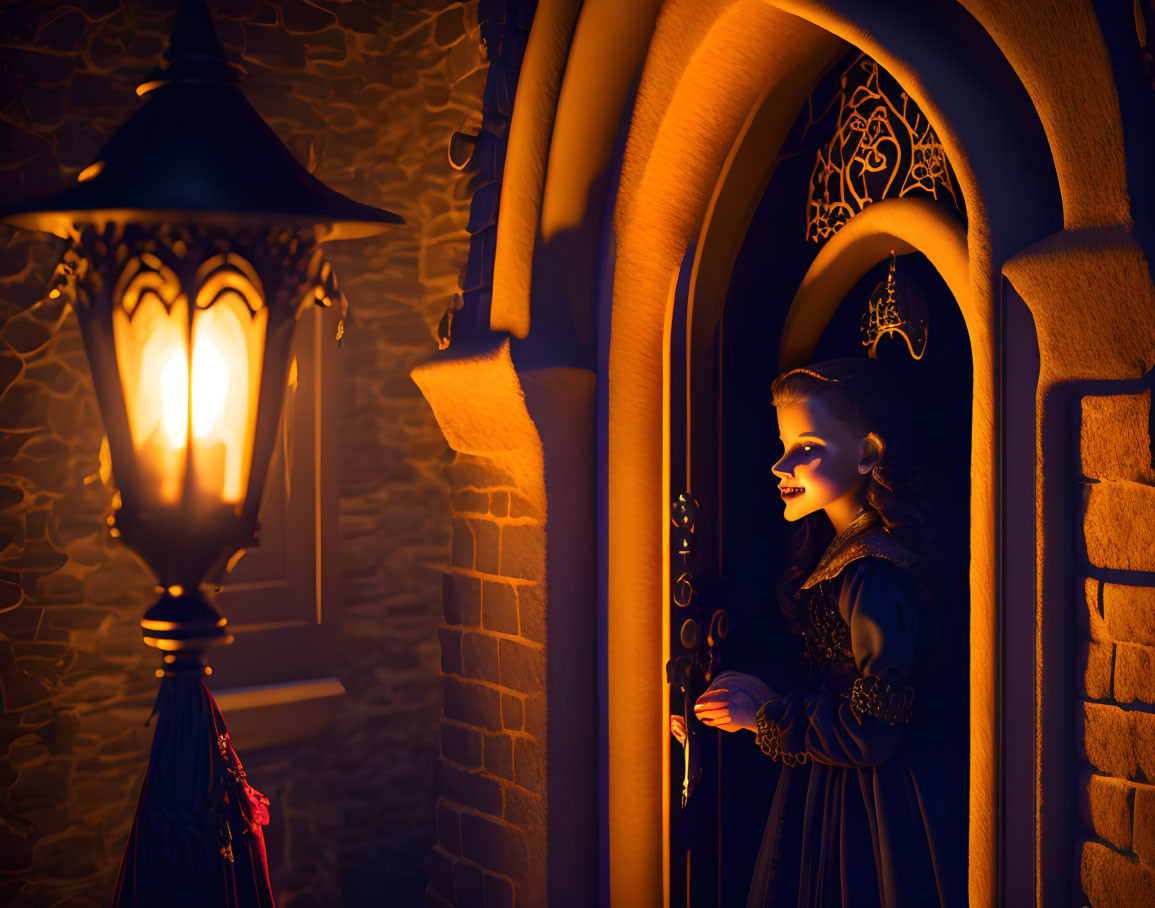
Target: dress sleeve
861,726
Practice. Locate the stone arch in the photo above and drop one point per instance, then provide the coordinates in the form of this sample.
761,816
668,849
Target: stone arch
901,225
688,128
1038,148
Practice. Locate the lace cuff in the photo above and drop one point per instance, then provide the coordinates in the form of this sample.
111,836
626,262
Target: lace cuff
875,696
769,738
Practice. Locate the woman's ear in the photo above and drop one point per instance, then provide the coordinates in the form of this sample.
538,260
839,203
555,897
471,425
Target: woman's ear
872,451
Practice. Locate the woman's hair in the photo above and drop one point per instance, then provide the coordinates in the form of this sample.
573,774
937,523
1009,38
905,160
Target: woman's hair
863,396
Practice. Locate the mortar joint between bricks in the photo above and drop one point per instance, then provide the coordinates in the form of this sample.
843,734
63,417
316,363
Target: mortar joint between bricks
520,640
481,814
503,635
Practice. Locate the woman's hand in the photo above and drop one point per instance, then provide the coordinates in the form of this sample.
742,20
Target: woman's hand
678,729
732,701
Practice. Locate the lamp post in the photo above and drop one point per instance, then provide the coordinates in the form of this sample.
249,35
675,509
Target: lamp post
194,240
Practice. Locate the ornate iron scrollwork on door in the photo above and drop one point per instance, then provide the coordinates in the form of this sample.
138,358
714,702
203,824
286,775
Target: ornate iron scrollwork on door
691,669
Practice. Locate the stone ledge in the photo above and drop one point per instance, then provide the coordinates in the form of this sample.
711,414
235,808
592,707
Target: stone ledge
479,403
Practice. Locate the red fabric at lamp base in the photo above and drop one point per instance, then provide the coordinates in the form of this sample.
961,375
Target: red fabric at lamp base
196,841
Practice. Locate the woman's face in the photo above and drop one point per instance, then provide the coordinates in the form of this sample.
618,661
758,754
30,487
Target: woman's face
824,465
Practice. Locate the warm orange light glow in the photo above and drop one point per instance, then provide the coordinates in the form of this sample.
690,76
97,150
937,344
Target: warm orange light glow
210,376
226,334
149,326
221,402
90,172
211,381
174,397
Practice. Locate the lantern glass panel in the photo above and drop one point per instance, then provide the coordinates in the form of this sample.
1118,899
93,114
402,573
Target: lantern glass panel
228,343
191,381
150,323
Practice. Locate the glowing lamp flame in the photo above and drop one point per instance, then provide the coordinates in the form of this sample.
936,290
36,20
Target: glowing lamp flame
174,397
210,388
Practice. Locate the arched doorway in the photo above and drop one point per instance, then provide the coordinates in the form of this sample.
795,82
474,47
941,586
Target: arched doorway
700,95
680,185
802,295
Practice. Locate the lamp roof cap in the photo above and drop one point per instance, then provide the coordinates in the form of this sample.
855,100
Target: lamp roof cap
197,151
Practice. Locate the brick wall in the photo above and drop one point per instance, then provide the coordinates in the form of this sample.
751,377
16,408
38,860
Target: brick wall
1117,655
371,92
490,809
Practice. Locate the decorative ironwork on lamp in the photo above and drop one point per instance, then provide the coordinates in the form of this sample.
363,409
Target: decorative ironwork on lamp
193,243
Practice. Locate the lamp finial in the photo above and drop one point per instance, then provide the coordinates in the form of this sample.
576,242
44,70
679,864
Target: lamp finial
194,52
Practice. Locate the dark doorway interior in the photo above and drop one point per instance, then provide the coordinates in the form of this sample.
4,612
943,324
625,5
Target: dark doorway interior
752,535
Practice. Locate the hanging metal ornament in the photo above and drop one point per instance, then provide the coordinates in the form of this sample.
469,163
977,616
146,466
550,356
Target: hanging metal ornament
896,306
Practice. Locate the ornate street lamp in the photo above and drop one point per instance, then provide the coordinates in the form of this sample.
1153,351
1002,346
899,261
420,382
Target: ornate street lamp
194,241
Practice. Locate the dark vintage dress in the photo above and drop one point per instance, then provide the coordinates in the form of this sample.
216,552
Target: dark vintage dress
870,807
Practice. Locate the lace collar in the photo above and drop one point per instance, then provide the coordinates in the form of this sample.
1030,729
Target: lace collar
862,539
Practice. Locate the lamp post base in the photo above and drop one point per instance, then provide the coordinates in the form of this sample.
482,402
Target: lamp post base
184,622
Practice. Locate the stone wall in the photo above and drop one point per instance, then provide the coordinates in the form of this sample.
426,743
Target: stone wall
369,94
491,809
1117,792
505,26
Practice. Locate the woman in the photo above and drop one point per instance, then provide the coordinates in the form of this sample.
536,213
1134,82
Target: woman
870,807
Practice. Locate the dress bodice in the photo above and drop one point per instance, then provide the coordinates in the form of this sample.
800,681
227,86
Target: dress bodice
826,638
